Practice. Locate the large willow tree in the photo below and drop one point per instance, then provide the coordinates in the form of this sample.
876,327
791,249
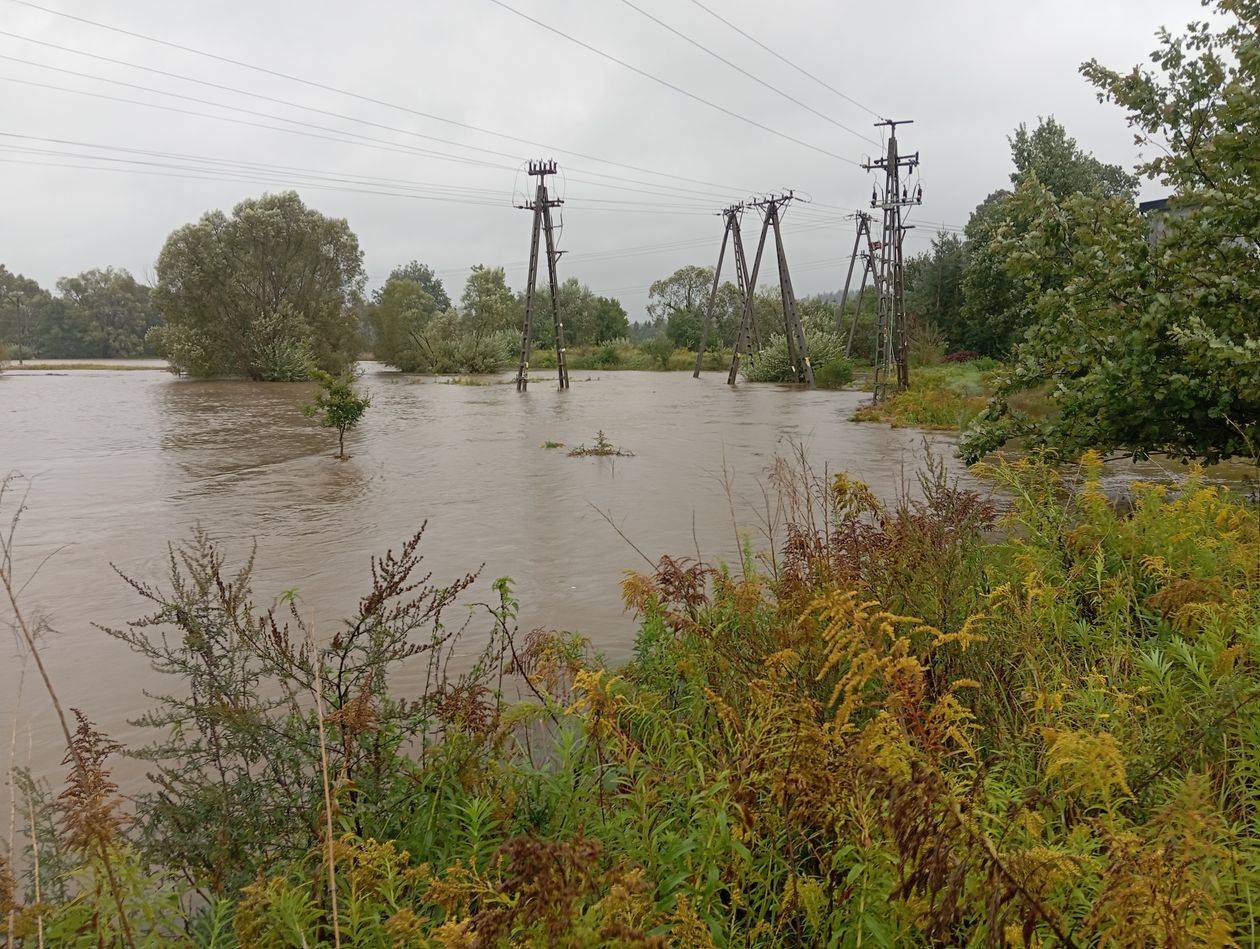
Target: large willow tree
1152,344
263,294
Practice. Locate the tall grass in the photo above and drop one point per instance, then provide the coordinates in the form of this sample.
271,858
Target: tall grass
916,724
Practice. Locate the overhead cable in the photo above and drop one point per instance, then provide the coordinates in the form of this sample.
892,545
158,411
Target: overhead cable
664,82
740,69
778,56
361,97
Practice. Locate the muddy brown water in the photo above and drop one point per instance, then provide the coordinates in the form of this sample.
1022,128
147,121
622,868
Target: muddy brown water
118,464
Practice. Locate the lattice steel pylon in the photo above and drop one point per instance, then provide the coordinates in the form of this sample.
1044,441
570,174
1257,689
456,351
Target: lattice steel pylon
732,235
797,346
891,341
542,225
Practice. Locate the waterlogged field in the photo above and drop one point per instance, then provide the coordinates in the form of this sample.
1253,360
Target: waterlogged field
902,724
118,464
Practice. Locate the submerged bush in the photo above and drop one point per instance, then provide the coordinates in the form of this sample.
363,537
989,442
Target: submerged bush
826,349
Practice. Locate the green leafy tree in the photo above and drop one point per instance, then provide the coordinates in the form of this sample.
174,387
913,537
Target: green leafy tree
683,328
1151,345
422,274
577,305
685,289
994,313
21,300
338,406
399,317
109,314
1059,164
58,329
768,312
488,304
261,294
611,321
933,286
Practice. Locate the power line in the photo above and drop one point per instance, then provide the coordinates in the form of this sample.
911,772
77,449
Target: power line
241,178
262,178
740,69
799,69
363,98
374,142
288,103
664,82
349,138
246,168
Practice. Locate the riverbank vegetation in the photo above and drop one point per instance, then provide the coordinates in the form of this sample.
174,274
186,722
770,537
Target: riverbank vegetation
99,314
892,729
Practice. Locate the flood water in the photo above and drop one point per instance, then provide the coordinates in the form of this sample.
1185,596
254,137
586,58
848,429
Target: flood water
118,464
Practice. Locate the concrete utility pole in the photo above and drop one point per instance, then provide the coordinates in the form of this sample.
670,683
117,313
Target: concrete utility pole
892,339
868,271
798,348
731,234
542,225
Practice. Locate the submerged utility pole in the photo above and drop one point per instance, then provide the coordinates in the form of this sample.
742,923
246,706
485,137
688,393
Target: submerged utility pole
797,347
541,206
731,234
892,337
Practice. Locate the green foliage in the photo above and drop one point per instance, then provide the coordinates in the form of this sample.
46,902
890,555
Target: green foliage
1050,155
683,328
1150,345
422,274
109,314
933,285
488,305
611,322
338,406
607,356
995,311
602,446
578,309
685,289
836,373
260,294
945,398
926,346
21,299
826,348
902,731
101,314
399,316
659,350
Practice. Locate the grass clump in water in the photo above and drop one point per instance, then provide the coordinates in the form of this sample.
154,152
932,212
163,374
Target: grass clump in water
602,446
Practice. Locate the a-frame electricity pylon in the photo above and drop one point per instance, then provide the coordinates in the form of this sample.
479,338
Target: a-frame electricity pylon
867,256
797,347
541,206
732,235
892,366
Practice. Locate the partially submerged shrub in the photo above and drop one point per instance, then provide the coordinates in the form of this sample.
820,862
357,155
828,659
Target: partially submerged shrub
602,446
826,348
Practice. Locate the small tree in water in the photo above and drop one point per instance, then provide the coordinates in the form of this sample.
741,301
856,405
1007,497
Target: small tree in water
339,406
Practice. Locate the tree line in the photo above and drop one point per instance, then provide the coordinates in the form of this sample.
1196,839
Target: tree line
99,314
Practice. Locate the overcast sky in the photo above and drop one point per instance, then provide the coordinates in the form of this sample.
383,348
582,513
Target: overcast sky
967,73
